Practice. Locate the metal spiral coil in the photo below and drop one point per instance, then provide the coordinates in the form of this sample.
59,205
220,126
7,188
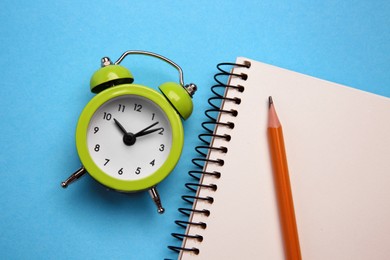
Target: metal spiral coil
203,149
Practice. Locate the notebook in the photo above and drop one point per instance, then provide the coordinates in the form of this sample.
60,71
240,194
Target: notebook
337,142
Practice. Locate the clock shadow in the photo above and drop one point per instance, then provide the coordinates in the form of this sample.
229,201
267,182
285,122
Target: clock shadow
97,198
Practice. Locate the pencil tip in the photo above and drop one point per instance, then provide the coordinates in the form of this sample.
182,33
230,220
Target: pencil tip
270,101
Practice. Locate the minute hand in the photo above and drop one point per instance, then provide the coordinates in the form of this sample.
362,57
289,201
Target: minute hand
147,132
143,131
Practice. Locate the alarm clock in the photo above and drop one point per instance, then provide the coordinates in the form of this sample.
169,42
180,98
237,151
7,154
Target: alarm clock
129,137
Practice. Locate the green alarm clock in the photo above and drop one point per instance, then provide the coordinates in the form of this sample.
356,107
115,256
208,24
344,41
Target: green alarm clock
129,137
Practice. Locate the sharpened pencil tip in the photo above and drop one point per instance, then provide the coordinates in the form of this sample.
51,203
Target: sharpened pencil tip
270,101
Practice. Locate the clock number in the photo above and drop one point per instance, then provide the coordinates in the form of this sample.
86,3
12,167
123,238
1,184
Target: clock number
121,108
161,131
137,107
152,162
120,172
107,160
107,116
153,116
161,149
97,148
138,170
95,129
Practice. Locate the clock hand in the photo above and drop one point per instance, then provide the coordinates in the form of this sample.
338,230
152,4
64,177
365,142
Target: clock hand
120,126
147,132
140,133
130,138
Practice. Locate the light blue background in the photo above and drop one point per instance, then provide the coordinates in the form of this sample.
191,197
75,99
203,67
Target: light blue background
49,49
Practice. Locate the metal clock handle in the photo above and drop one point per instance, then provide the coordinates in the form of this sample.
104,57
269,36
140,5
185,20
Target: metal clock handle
191,88
147,53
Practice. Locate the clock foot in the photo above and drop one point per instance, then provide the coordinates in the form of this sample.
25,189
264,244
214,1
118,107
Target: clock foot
77,174
156,198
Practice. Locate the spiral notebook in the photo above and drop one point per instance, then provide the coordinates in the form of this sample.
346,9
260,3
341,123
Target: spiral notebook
338,149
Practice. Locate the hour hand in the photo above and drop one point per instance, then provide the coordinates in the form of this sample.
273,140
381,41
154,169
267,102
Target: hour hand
120,126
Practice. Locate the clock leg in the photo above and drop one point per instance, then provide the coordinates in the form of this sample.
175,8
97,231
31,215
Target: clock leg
156,198
77,174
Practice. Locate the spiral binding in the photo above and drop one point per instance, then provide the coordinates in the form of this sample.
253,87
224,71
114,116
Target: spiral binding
208,126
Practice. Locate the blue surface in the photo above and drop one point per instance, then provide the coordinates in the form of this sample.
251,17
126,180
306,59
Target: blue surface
49,50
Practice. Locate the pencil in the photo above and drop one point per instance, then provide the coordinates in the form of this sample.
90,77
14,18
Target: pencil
282,185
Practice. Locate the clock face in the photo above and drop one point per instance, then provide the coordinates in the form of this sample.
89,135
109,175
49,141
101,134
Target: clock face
129,137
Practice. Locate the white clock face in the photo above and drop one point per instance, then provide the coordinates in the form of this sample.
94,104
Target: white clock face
129,137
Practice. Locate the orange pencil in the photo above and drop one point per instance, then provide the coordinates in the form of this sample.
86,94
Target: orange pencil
282,183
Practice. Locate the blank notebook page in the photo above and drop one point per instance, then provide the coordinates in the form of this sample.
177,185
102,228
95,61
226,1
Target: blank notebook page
338,150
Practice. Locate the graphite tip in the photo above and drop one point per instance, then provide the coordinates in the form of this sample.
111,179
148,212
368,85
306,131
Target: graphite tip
270,101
